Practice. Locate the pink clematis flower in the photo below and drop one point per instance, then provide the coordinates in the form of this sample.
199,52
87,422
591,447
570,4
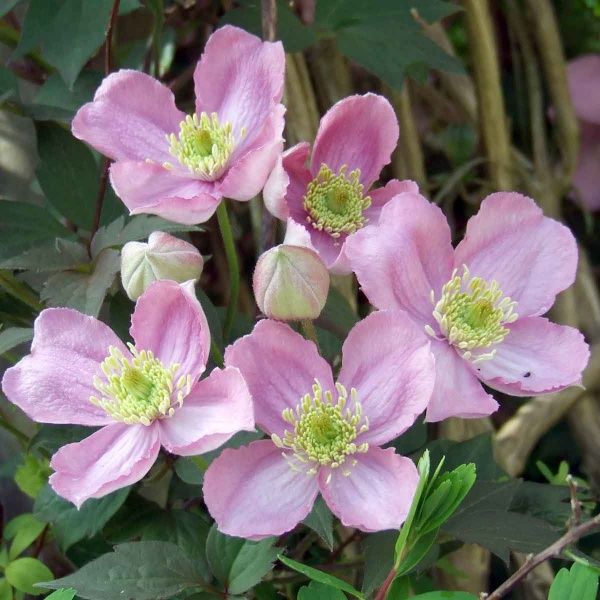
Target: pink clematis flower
331,198
325,437
178,166
584,85
480,302
143,396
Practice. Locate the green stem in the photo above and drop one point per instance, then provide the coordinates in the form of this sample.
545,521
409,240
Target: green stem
216,355
310,333
18,290
12,429
234,269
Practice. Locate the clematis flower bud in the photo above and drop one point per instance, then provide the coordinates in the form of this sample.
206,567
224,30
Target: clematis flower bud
291,283
163,257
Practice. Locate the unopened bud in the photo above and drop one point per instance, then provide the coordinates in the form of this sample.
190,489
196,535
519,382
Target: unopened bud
163,257
291,283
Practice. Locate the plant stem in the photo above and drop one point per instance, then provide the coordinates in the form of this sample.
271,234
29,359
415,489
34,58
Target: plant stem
12,429
18,290
234,269
383,590
553,551
216,355
310,333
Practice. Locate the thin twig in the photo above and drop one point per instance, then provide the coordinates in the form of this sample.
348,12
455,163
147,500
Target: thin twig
553,551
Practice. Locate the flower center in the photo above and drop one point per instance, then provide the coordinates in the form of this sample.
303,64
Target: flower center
203,145
335,203
139,390
323,432
472,314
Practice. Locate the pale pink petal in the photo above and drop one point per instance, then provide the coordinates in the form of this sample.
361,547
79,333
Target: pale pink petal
360,132
386,357
297,235
584,84
240,78
247,177
536,357
381,196
399,261
253,493
129,118
532,257
149,188
54,383
169,321
216,408
587,175
289,178
110,459
330,250
280,367
376,495
457,392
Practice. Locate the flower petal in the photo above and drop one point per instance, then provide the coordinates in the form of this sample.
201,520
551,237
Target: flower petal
457,392
169,321
399,261
110,459
247,177
253,493
129,118
584,84
240,78
536,357
288,180
54,383
386,357
279,367
376,495
381,196
149,188
532,257
358,131
216,408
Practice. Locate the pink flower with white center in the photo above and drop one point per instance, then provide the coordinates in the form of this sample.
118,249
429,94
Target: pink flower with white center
584,85
332,197
178,166
480,303
325,436
144,396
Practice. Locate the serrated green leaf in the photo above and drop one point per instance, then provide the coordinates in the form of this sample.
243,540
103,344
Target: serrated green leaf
84,292
320,520
320,576
68,174
24,573
13,336
71,524
578,583
542,500
59,256
237,563
140,570
321,591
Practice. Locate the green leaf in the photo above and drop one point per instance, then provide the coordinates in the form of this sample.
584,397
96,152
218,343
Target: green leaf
212,316
337,315
5,7
320,576
445,596
68,174
320,520
23,573
61,255
54,437
62,595
237,563
379,559
71,524
579,583
23,530
412,439
184,529
32,475
83,291
24,227
6,591
9,85
140,570
416,552
9,338
191,469
542,500
321,591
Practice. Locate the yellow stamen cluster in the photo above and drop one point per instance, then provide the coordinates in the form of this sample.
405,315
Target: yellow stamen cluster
472,314
323,430
139,390
203,145
335,203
